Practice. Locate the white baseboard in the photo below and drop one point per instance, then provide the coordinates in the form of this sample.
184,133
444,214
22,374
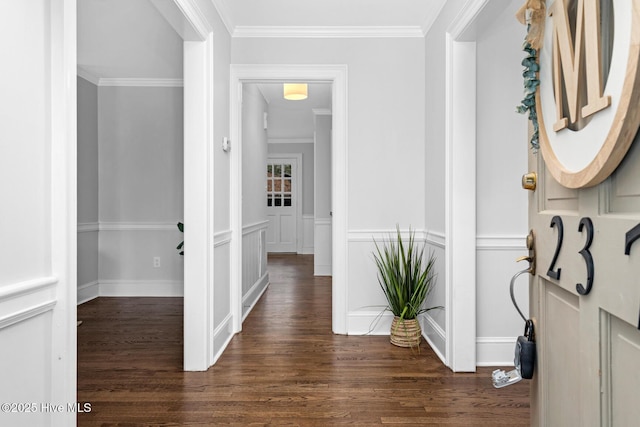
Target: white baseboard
369,322
222,337
88,291
434,335
322,270
495,351
307,250
253,295
141,288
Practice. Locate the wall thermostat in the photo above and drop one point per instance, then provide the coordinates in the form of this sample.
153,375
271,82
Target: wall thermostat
225,144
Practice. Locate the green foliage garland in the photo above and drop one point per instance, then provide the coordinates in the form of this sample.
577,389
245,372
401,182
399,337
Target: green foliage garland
531,83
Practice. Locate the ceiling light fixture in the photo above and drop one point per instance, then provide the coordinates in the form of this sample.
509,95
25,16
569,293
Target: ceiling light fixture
295,91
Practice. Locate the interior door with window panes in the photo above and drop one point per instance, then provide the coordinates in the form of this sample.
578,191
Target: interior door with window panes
282,204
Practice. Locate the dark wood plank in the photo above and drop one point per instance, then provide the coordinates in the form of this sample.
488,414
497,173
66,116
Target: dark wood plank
286,368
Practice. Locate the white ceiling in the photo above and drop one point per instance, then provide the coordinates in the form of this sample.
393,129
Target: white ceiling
130,39
239,14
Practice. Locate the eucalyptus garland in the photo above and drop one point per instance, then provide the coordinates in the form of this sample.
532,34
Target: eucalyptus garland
531,83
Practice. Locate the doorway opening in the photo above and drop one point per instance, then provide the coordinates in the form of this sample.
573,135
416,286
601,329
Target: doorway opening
265,74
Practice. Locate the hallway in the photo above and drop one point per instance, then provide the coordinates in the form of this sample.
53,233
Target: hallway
285,369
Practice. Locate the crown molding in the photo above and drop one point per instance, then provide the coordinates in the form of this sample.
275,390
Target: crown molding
90,77
140,82
327,31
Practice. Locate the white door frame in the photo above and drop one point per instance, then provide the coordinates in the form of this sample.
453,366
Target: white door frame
189,22
460,179
297,192
337,75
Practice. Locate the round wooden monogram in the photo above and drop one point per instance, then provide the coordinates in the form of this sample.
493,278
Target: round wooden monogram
588,99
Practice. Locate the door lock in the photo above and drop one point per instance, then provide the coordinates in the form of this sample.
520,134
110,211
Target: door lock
529,181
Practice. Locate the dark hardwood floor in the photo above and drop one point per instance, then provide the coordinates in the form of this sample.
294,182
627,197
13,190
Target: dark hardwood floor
286,368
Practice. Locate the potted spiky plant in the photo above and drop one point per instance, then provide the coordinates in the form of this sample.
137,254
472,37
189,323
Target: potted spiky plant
406,276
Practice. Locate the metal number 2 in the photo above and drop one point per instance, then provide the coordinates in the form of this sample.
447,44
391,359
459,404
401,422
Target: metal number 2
588,259
557,222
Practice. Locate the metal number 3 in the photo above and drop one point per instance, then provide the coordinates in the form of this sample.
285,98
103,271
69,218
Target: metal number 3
588,259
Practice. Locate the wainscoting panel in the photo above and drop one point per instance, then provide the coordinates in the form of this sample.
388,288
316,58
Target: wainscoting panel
254,265
323,244
498,323
307,234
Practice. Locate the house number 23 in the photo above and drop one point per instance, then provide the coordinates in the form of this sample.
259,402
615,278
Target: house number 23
586,225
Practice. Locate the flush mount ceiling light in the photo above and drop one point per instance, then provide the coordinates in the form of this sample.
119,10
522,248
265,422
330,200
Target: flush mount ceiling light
295,91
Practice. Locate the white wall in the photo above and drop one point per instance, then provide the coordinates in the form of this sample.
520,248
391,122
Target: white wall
38,213
322,222
501,202
140,190
501,161
385,137
87,190
254,200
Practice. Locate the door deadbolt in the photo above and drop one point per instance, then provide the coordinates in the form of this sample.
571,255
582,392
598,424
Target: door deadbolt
529,181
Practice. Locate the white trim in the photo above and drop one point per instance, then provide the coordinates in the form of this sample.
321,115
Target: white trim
63,184
435,238
138,226
88,76
380,235
460,198
293,140
321,111
370,322
325,73
222,336
27,313
88,292
501,243
495,351
15,290
434,334
23,300
86,227
308,234
198,21
346,32
141,288
256,226
198,66
140,82
254,294
221,238
465,20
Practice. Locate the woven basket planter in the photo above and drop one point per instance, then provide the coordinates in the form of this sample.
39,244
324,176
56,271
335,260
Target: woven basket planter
405,333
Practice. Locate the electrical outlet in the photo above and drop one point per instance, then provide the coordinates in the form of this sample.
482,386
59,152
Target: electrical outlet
156,261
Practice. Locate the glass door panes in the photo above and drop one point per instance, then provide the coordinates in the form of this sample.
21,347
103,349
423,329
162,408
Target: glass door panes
279,185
